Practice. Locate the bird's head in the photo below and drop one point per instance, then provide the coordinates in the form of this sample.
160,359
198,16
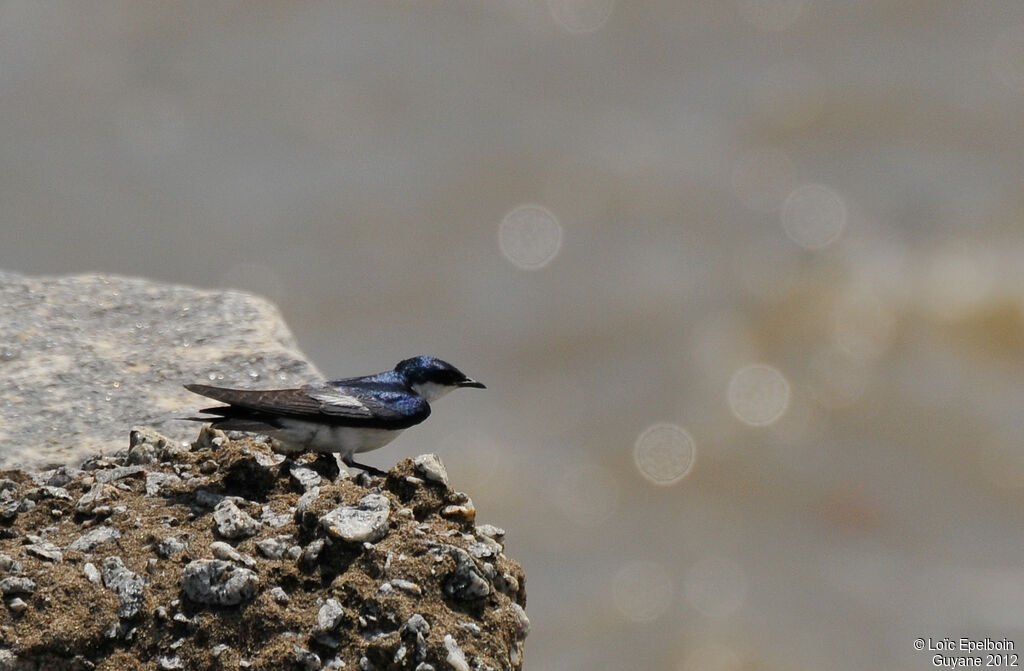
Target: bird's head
432,378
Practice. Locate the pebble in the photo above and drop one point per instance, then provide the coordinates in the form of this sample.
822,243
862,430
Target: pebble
430,466
312,552
279,595
48,492
118,473
10,510
465,510
156,481
169,546
456,658
471,627
232,522
10,564
329,616
222,550
414,632
484,549
217,582
275,547
209,439
15,586
92,539
275,520
17,606
465,583
145,445
521,619
92,574
44,549
60,476
367,522
302,516
305,478
205,497
170,663
407,586
306,659
126,584
491,531
92,499
506,583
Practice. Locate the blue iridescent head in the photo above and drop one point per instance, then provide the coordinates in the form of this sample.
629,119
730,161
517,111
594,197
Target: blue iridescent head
431,377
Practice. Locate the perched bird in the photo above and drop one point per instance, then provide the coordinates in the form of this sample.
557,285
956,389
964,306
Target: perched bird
349,416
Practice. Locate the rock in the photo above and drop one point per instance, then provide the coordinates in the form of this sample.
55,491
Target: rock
329,616
122,347
365,523
222,550
484,548
118,473
156,481
521,619
279,595
233,522
276,547
304,478
145,445
466,582
430,466
407,586
17,606
91,573
94,538
217,582
10,564
169,546
126,584
60,476
44,549
97,495
311,553
48,492
302,516
306,659
456,658
413,635
252,473
17,586
463,509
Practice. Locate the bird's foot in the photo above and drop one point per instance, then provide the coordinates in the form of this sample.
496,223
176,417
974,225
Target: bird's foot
367,469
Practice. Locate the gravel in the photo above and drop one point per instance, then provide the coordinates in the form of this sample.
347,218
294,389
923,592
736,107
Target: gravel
224,571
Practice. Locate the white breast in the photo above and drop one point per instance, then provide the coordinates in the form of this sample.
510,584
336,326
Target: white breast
301,436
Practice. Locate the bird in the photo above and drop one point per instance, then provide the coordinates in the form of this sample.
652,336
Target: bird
347,416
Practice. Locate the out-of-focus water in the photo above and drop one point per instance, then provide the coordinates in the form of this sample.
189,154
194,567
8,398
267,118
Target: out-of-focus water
744,279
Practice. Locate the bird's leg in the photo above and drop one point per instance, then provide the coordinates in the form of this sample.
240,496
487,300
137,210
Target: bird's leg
350,462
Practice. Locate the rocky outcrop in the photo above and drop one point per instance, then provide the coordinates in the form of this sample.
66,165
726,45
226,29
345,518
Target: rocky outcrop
224,555
83,358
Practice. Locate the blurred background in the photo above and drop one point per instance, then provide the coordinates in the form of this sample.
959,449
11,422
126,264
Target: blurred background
745,279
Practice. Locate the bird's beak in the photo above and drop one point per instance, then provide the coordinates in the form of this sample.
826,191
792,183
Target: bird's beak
469,382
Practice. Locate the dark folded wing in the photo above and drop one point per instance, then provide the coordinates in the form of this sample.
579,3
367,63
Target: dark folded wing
324,403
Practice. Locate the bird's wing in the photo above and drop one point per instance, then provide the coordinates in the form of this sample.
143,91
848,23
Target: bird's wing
370,403
324,402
